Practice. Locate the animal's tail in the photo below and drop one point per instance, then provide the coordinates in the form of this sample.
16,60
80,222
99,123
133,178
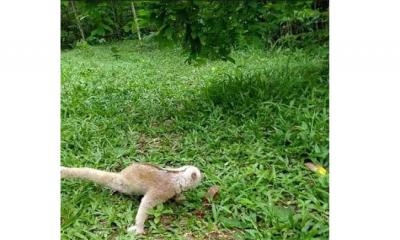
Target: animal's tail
109,179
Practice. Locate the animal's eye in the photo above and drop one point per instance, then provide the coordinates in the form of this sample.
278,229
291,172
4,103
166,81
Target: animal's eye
194,176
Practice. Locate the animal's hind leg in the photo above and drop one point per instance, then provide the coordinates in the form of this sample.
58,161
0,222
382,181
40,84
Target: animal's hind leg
115,181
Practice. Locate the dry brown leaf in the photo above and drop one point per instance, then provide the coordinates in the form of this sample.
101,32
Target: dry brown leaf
212,192
220,235
189,236
311,166
199,214
166,220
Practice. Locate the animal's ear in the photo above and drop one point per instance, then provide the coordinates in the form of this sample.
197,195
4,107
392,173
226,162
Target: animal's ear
194,176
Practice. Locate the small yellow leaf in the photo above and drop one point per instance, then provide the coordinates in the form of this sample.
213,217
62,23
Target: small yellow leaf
316,168
322,170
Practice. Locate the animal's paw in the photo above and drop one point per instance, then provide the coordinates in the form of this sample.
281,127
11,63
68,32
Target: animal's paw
135,229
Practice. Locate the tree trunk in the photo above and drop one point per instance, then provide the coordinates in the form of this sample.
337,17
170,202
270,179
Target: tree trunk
136,21
316,9
78,23
116,19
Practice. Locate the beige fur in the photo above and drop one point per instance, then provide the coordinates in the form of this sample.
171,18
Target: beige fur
156,184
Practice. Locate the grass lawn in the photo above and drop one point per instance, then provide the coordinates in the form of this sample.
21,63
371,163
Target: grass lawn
249,127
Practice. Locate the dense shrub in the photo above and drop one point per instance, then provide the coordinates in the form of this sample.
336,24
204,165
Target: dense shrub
205,28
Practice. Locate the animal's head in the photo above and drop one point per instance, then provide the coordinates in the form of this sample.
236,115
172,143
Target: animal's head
191,177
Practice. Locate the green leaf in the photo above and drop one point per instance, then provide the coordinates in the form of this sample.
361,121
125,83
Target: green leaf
234,223
283,214
246,202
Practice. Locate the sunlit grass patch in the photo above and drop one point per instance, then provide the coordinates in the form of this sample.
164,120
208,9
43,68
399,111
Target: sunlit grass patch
250,127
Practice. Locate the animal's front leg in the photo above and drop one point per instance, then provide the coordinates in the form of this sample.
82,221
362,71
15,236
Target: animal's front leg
179,198
148,202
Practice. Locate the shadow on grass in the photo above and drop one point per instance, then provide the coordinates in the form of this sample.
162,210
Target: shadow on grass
242,94
287,110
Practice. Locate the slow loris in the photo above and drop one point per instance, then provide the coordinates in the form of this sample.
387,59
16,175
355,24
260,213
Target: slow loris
156,184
